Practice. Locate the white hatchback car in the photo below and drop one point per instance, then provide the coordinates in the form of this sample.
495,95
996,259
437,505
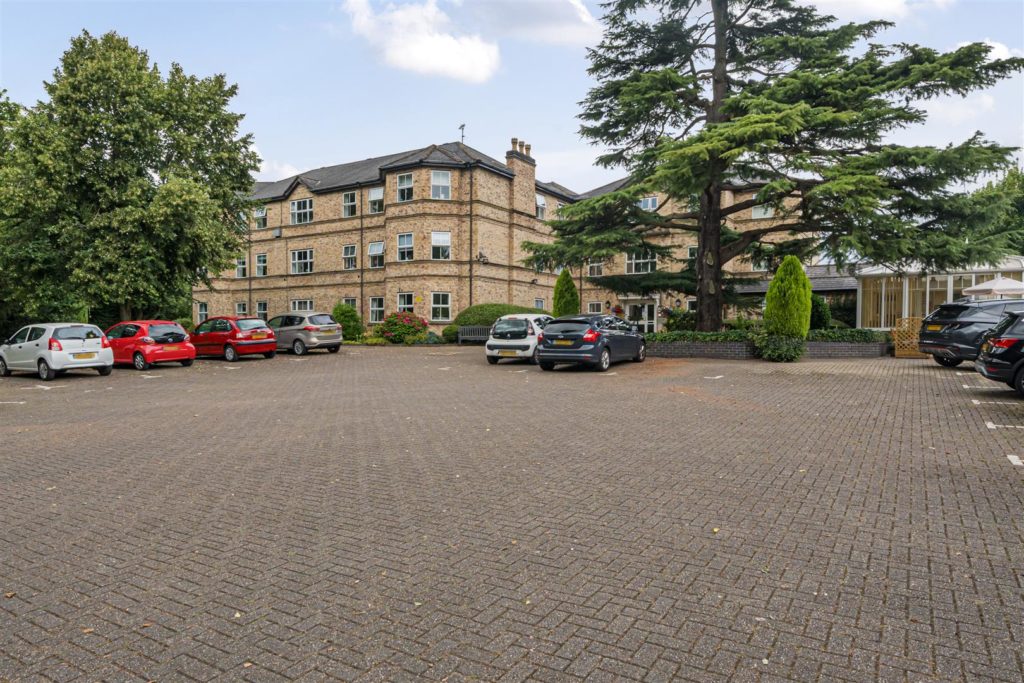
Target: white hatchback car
49,349
514,336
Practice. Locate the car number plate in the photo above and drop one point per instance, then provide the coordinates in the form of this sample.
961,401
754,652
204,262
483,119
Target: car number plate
83,356
934,328
259,336
507,353
171,348
563,342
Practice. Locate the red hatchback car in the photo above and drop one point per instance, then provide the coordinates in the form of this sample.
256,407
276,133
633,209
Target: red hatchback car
233,337
144,342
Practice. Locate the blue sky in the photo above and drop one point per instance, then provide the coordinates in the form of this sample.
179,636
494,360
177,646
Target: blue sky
327,82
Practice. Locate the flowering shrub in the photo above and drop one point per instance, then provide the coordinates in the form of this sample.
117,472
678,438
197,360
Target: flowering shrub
399,326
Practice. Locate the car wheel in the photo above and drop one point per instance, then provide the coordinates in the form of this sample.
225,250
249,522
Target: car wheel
105,370
535,358
187,363
544,365
333,349
948,362
299,347
270,354
1018,382
493,360
230,354
140,362
641,355
605,361
4,370
46,373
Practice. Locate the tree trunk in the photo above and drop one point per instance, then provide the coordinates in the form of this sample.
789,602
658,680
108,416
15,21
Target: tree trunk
709,241
125,311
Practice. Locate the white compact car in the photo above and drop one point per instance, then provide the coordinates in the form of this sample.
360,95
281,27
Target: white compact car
514,336
49,349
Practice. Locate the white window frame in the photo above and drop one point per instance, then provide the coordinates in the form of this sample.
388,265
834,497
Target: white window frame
405,188
261,265
595,307
691,305
595,269
691,251
408,249
349,259
348,204
762,212
542,205
409,306
241,308
375,250
639,266
241,267
302,306
262,309
259,215
301,211
439,241
538,303
202,311
376,312
433,305
374,195
441,185
350,301
299,265
648,203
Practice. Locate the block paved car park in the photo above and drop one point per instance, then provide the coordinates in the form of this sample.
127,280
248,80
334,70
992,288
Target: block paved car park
414,513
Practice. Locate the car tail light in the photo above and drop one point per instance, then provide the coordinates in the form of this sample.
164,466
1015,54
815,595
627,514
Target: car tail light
311,328
55,345
105,343
1003,342
147,340
591,336
540,337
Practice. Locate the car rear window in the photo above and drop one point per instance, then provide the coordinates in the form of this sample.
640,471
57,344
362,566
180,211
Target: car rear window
567,326
322,320
250,323
952,311
1005,324
156,331
78,332
511,325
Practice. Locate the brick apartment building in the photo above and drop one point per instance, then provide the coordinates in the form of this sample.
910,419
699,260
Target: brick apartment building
431,231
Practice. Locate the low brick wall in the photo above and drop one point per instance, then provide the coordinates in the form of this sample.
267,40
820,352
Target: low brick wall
745,350
740,350
846,350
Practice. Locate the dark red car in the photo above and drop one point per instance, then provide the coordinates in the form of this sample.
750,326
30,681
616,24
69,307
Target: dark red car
233,337
144,342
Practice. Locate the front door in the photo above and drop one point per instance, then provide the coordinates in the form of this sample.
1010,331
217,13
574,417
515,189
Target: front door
643,316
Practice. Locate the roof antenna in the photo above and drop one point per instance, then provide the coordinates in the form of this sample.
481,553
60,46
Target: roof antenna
462,128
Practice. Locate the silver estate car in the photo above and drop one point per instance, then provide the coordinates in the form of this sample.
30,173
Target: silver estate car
300,332
51,349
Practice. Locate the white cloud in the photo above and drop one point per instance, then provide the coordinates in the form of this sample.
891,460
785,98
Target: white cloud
999,50
956,110
274,170
420,37
555,22
875,9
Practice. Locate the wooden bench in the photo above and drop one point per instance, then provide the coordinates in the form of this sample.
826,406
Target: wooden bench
474,333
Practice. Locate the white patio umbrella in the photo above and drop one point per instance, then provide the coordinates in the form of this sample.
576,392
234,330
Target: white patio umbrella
1001,286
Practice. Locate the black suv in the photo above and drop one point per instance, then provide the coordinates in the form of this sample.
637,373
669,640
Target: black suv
953,332
1002,352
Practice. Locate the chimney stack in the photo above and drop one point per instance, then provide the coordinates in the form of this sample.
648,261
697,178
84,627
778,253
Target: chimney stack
524,185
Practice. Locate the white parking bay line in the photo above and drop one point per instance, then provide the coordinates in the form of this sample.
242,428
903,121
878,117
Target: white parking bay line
990,388
966,373
1014,460
715,377
996,403
993,425
12,403
44,387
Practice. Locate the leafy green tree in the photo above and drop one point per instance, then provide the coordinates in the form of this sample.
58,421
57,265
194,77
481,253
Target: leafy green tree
787,310
821,312
565,300
124,187
351,323
696,98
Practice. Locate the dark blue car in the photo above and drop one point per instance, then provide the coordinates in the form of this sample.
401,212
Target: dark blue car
595,340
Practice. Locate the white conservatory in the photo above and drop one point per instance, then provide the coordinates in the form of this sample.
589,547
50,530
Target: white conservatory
884,296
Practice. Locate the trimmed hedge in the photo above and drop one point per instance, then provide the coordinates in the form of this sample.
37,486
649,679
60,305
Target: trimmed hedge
849,335
787,308
482,314
351,324
821,313
700,337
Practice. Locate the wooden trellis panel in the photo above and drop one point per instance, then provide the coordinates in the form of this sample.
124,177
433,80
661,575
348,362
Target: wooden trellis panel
905,337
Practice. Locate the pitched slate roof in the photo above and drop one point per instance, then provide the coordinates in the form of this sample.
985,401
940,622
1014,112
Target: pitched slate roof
370,171
825,278
558,190
731,184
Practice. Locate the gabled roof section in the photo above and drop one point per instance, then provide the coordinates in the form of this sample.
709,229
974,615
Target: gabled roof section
824,278
613,186
560,191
